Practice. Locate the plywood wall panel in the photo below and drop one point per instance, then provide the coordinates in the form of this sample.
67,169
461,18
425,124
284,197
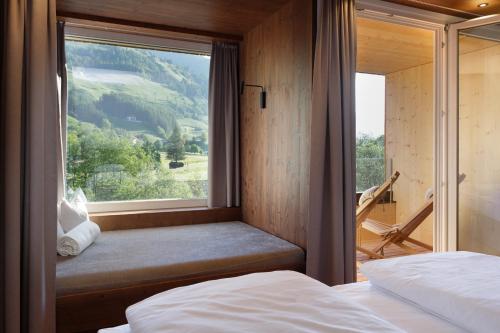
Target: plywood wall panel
275,141
409,140
479,153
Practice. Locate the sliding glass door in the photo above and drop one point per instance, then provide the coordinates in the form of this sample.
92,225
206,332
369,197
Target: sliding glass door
474,155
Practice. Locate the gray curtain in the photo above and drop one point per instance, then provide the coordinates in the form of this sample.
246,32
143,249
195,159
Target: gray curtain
223,129
62,111
331,231
28,169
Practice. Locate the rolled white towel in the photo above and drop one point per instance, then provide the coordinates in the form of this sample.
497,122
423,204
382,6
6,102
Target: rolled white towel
78,239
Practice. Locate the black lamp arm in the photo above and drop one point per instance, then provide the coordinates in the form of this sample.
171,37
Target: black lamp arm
255,85
263,95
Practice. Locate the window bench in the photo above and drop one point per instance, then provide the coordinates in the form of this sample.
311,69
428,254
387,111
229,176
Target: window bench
125,266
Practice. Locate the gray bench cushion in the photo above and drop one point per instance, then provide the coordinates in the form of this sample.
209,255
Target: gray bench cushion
131,257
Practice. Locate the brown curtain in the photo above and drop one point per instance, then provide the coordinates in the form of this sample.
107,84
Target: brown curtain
223,129
331,231
28,169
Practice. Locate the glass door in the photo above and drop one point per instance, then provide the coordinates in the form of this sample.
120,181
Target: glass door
474,155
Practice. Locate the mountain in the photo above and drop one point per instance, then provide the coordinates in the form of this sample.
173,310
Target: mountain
195,64
136,90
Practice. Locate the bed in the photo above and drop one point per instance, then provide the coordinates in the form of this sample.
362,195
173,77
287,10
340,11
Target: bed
437,292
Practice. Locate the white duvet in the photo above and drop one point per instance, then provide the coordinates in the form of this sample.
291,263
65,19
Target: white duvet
282,301
462,287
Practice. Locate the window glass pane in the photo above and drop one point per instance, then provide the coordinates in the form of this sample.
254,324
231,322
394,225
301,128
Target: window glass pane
370,124
479,134
137,122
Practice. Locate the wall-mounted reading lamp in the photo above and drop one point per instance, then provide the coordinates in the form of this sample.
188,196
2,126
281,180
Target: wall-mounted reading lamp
262,92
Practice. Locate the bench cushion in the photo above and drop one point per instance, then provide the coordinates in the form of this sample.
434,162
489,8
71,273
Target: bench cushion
140,256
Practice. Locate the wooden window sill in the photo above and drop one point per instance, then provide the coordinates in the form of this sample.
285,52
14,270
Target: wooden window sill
164,218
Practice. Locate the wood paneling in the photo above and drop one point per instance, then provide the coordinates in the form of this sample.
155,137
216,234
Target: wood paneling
471,44
460,8
233,17
275,141
387,47
166,218
409,140
479,155
143,28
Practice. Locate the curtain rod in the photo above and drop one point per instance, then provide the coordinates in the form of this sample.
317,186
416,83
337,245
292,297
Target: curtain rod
69,16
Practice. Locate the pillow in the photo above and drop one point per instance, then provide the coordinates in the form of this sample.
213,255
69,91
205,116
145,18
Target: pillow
367,194
72,215
429,194
462,287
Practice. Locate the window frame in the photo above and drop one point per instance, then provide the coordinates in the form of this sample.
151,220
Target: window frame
137,39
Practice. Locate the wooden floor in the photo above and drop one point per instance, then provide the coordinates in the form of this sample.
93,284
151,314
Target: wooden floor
390,252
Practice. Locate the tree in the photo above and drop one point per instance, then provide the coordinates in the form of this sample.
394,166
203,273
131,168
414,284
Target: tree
151,149
175,148
370,161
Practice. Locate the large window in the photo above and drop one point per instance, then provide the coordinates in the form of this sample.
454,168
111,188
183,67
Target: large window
370,128
137,122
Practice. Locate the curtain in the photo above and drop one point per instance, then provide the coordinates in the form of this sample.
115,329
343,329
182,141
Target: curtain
223,128
62,111
331,230
28,169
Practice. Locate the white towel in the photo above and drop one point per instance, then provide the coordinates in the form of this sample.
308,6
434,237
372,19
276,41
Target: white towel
78,239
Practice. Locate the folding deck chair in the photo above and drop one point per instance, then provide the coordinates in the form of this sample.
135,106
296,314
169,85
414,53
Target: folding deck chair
398,233
364,209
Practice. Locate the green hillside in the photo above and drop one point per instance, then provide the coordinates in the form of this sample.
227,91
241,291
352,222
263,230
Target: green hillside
136,90
137,123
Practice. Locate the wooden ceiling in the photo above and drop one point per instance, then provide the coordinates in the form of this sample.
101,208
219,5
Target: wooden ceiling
468,44
385,48
461,8
225,17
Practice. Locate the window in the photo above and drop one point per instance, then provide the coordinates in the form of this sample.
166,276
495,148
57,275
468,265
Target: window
370,128
137,123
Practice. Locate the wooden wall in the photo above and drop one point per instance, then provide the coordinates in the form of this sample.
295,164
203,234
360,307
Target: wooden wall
275,141
479,153
409,141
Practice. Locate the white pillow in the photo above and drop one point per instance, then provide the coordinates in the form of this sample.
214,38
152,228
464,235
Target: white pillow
72,215
367,194
429,194
462,287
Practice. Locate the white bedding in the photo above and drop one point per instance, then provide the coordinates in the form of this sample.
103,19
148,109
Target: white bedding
395,309
388,306
440,292
282,301
462,287
117,329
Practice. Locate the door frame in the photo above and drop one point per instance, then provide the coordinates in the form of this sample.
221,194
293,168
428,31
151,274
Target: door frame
451,137
393,14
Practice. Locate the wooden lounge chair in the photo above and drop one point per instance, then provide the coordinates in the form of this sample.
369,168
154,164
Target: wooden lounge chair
364,209
398,233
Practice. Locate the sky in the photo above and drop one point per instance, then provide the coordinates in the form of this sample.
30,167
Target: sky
370,104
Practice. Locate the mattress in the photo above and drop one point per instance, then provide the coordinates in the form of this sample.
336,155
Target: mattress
395,309
125,258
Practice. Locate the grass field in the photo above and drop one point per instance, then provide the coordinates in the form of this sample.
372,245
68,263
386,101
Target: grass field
195,167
